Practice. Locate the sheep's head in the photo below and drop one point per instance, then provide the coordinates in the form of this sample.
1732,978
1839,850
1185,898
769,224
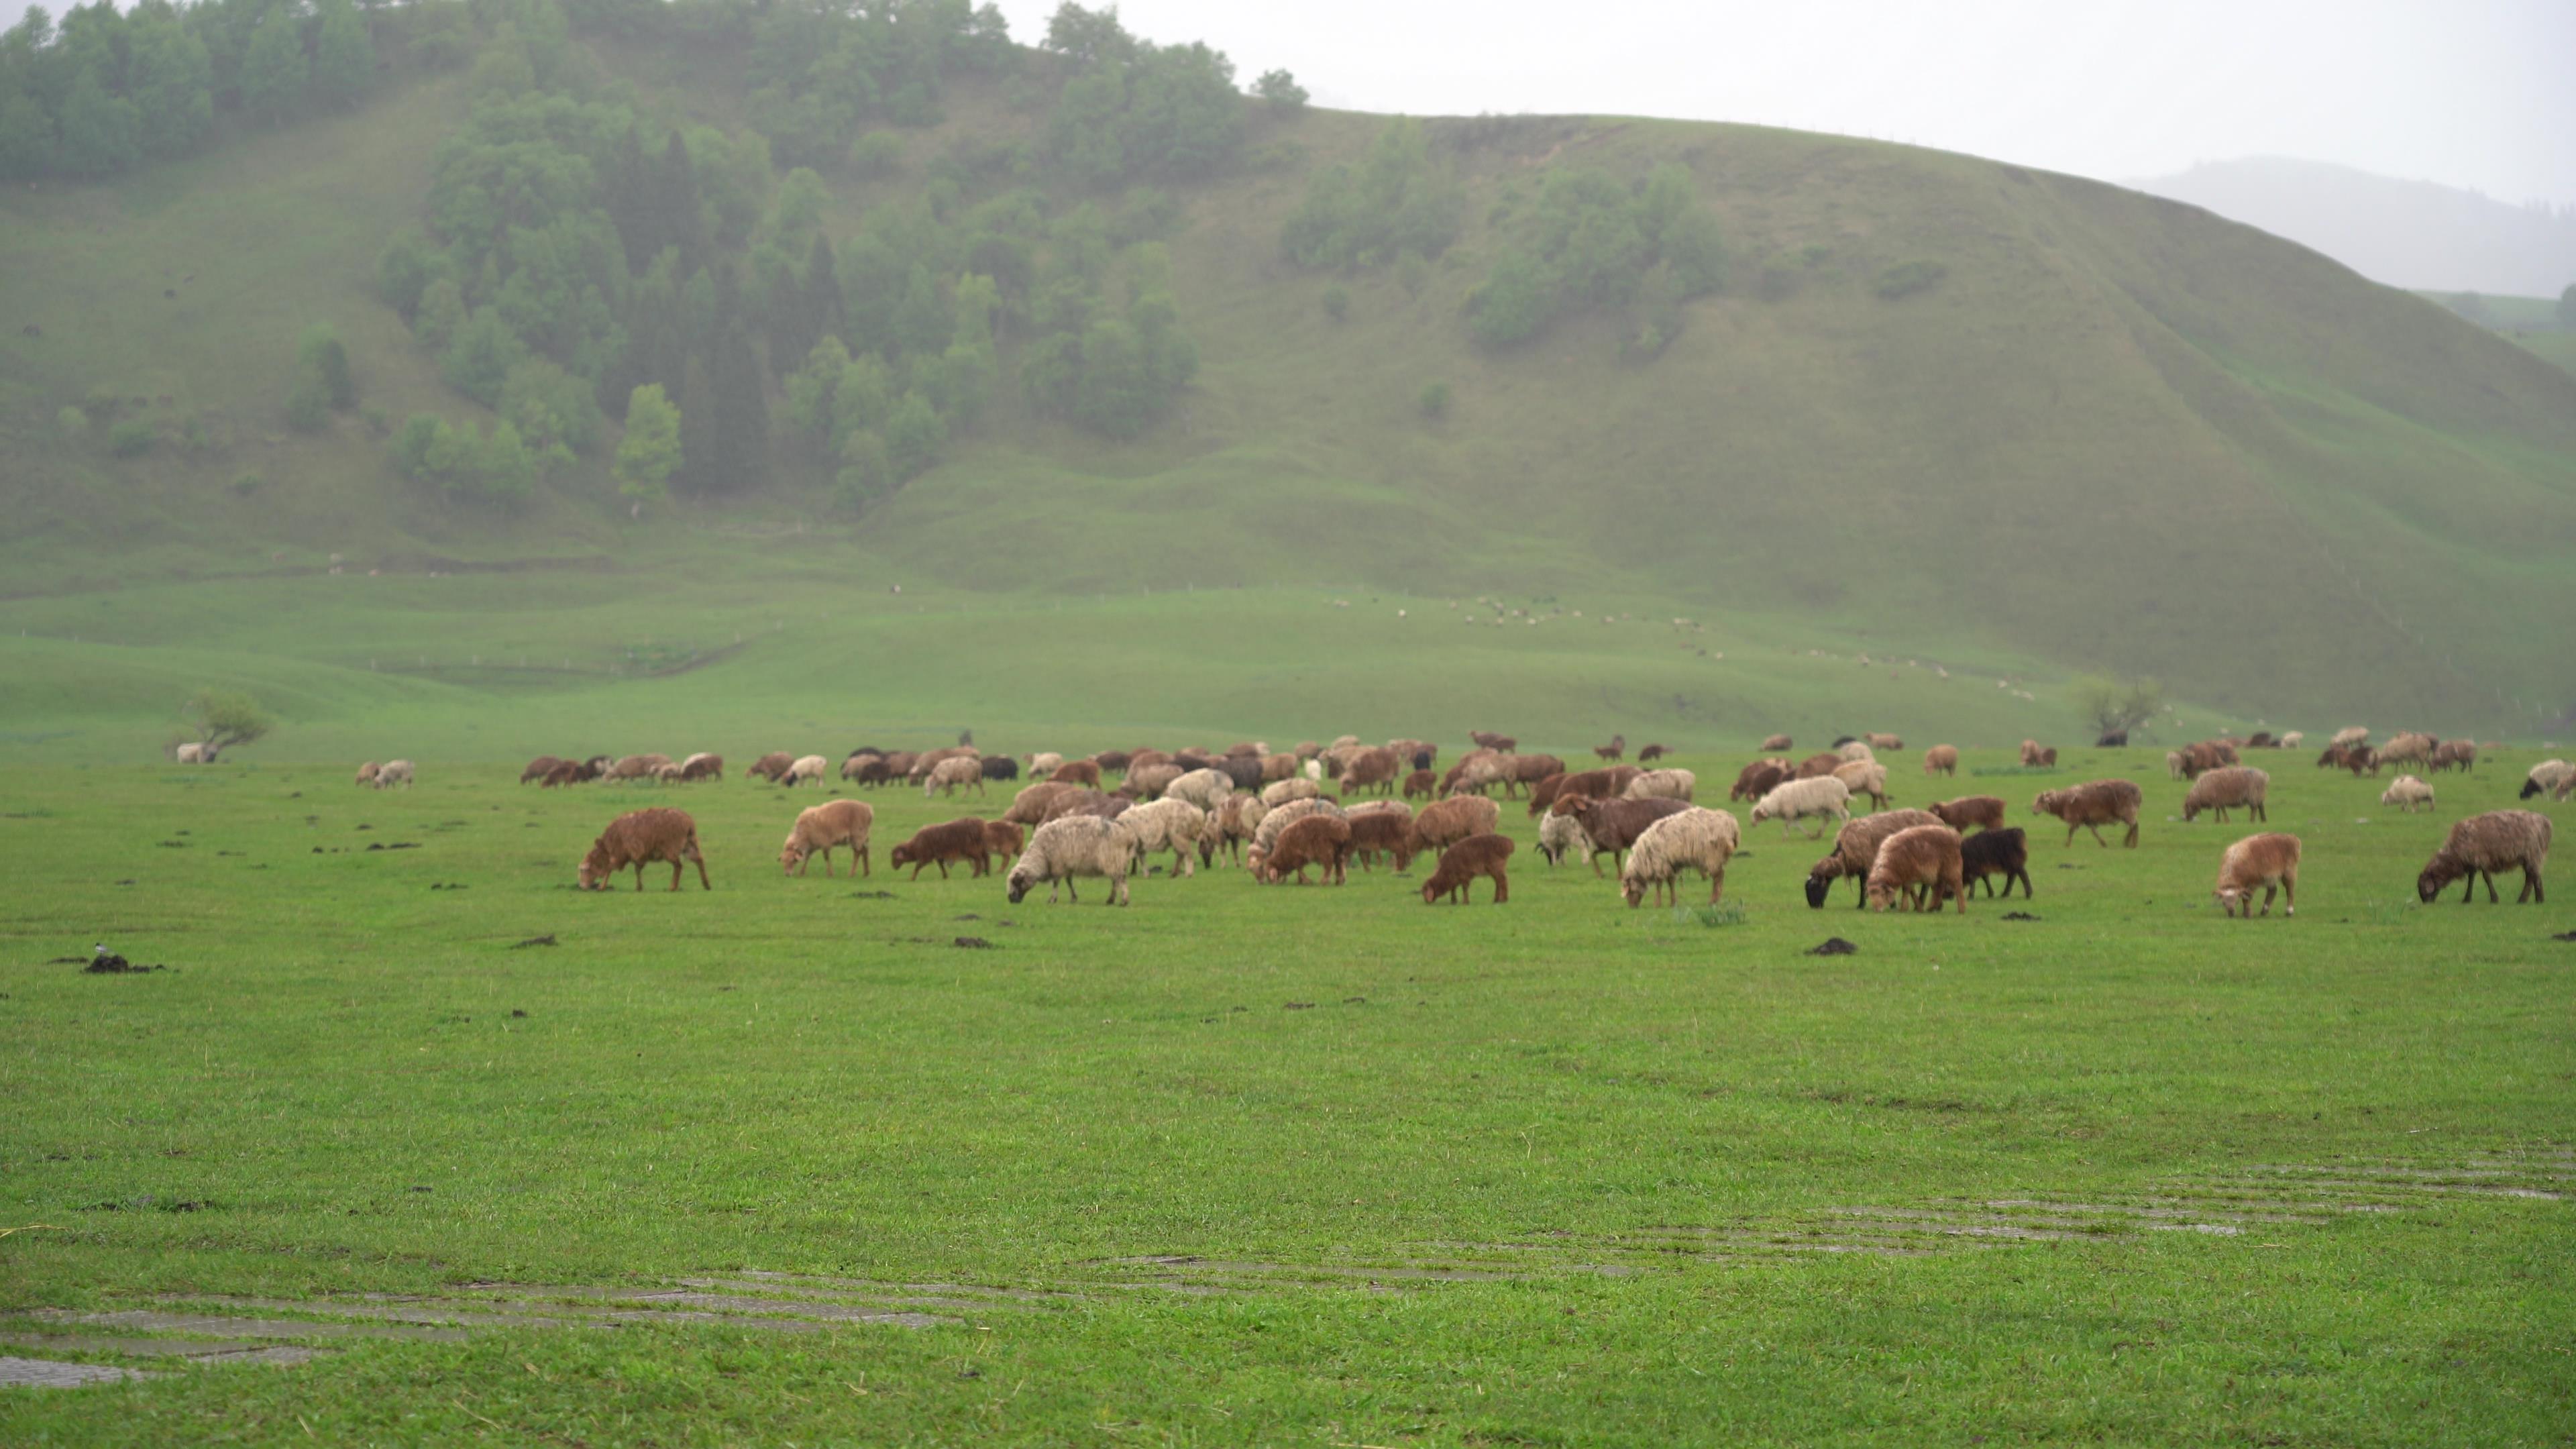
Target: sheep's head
1431,890
1569,803
2046,803
1022,877
1881,897
903,855
790,856
1633,891
595,868
2441,872
2230,896
1820,880
2529,789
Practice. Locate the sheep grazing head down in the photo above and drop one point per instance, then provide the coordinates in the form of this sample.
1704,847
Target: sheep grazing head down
1022,878
1818,887
2436,875
595,869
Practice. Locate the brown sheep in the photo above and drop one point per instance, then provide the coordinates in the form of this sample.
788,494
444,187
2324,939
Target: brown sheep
2232,787
2449,753
1649,753
1614,751
539,768
1140,759
1755,780
637,767
1462,863
1614,825
1078,772
1376,769
1986,812
1085,802
1323,840
1773,744
1245,750
2092,805
1233,821
1529,770
2269,861
1029,807
1606,784
2204,756
1921,864
640,838
565,772
867,770
1275,768
1856,850
1941,760
1114,761
1003,840
1499,744
1444,823
367,772
1817,764
822,827
1884,741
2480,846
770,766
702,767
1421,784
1380,829
961,839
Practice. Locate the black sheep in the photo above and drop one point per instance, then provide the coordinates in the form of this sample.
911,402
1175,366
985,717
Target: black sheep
1990,852
1001,767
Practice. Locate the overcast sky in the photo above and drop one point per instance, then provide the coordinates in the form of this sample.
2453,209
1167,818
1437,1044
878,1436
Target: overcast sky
2478,94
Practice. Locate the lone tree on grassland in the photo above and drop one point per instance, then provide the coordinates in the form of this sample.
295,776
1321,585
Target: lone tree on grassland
222,718
2115,705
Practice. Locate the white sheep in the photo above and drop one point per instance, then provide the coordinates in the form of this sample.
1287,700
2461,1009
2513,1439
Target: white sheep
2351,735
1165,824
1289,791
392,773
1076,845
2293,739
808,770
1817,796
1663,785
1265,834
1854,750
2549,777
948,774
1205,789
1314,770
1561,835
195,752
1864,777
2407,793
1044,763
1695,839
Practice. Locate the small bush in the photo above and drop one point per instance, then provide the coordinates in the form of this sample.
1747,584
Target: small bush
876,156
1281,90
308,407
132,438
246,484
1434,400
73,422
1337,303
1907,278
1721,913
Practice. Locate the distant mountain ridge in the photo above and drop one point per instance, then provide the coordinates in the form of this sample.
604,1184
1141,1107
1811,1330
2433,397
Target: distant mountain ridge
2414,234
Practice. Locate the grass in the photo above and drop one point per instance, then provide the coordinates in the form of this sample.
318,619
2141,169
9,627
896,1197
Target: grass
780,1075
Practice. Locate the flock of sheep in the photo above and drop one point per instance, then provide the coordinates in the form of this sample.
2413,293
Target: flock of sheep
1270,812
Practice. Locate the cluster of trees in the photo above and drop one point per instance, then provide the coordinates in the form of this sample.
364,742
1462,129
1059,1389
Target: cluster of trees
1138,111
1398,202
1588,241
460,458
105,90
819,73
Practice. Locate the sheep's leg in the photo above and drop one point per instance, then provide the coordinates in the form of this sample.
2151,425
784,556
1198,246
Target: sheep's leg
2289,893
2025,885
1502,888
943,867
676,868
639,877
1716,884
2131,843
863,860
2489,877
2471,893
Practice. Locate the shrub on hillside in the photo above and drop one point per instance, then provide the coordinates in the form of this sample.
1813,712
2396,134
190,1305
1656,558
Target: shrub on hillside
1397,200
1907,278
1587,242
1281,90
132,438
73,422
1337,303
1434,400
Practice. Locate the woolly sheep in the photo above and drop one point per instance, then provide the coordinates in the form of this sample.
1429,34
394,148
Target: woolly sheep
1029,807
2449,753
367,773
2292,739
1561,835
820,828
704,765
1662,784
1203,788
2407,793
1229,827
808,770
2480,846
1444,823
1317,840
1063,850
2550,777
1313,772
392,773
2408,748
1855,750
1990,853
2092,805
1818,796
1382,827
2268,861
1883,741
1941,760
948,774
1289,790
1166,824
1921,863
1695,839
1152,781
2235,787
1044,763
2351,735
195,752
1077,772
640,838
1371,769
1775,743
1856,850
1477,855
1614,825
1755,780
1865,777
1265,835
2173,764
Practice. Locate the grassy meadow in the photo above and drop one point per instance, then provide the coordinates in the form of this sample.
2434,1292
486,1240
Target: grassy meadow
1248,1165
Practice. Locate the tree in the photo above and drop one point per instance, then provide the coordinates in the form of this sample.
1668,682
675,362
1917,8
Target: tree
222,718
344,57
480,356
2114,706
1089,36
322,357
101,134
170,79
504,466
650,451
1281,90
274,74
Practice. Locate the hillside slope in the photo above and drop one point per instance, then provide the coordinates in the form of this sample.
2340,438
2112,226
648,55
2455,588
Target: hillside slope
2115,432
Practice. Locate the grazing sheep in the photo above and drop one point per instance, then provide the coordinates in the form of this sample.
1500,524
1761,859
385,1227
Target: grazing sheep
1883,742
1614,751
2359,759
1246,750
1614,825
2407,793
539,768
2269,861
637,767
1002,840
1001,767
1190,759
1474,772
1382,827
1647,754
1984,811
1306,750
1114,761
1244,771
1285,791
1693,839
2092,805
1166,824
1990,853
1078,772
1529,770
1444,823
367,772
1562,835
1755,780
808,770
1230,827
1609,784
1851,750
1415,754
566,772
1865,777
1818,797
1323,840
2480,846
1922,864
1029,807
1343,742
195,752
704,765
868,770
1817,766
1275,768
667,775
825,826
1421,784
2546,777
945,776
1086,802
1203,788
2408,748
961,839
1044,763
1462,863
770,766
1499,744
2351,735
1773,744
1662,785
929,760
1312,770
1063,850
2173,764
1151,781
392,773
2207,755
1375,769
1941,760
2261,740
1856,850
2235,787
2450,753
640,838
1265,834
2292,739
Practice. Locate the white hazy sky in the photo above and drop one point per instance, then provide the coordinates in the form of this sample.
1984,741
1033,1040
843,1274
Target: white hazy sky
2478,94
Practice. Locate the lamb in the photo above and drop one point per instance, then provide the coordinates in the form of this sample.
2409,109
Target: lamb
2173,764
666,774
1029,807
1265,835
1323,840
1286,791
1662,785
1371,769
704,765
1990,853
1647,754
1166,824
1002,840
1382,827
539,768
1693,839
1854,750
1818,796
1921,863
2407,793
1755,780
1151,781
808,770
1462,863
2035,756
1865,777
945,776
961,839
821,828
1065,849
1856,850
1884,742
2480,846
1078,772
367,773
1773,744
2546,777
2092,805
1614,825
1421,784
2351,735
1983,811
1444,823
1941,760
1614,751
2292,739
640,838
1230,826
2450,753
772,765
1044,763
392,773
2235,787
1816,766
2269,861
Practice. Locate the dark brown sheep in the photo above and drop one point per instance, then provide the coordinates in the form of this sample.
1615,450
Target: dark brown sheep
1421,784
565,772
1755,780
540,767
1646,753
1606,784
1614,825
961,839
640,838
1777,742
1078,772
1376,830
1112,760
1616,750
1983,811
2004,852
1461,864
1319,840
1821,763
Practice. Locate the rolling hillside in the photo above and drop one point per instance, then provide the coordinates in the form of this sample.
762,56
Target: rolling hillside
2103,432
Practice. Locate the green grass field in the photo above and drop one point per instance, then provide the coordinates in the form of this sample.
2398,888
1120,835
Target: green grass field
1246,1165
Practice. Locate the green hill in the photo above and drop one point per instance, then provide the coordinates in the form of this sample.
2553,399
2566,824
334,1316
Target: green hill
1939,406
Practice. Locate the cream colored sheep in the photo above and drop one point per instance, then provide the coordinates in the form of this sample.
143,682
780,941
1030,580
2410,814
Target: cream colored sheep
2292,739
1662,785
1855,750
948,774
1077,845
2480,846
1817,797
821,828
1287,791
1166,824
367,772
392,773
1696,839
2549,777
2173,765
2268,861
2407,793
1206,789
1877,741
1865,777
1044,763
808,770
1560,834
